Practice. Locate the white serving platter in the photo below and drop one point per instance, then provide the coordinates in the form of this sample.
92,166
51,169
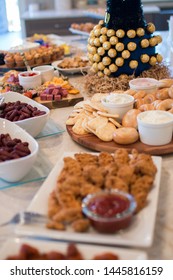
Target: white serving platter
139,234
12,246
69,70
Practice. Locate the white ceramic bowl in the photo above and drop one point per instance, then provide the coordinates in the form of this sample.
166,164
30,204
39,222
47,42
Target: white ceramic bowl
147,84
32,125
47,72
155,127
27,81
118,103
15,169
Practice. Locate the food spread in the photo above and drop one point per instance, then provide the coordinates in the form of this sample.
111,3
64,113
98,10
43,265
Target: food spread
113,49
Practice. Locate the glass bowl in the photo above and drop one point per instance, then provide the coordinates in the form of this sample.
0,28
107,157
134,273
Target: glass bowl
109,211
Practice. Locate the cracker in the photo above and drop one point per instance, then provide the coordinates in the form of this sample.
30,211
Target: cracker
97,97
105,133
97,122
117,124
78,128
88,108
80,104
73,114
98,106
71,121
107,115
84,125
88,113
95,114
90,129
78,110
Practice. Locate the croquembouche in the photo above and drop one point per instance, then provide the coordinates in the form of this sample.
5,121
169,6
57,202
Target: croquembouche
123,43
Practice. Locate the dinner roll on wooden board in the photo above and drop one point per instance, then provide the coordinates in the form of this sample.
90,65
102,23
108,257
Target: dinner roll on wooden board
125,135
130,118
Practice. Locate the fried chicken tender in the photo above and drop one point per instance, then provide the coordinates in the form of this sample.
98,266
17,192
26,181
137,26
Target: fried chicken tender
53,205
72,166
112,169
105,159
141,200
86,159
92,175
55,225
144,165
126,172
71,185
121,156
81,225
114,182
143,183
68,192
88,188
68,215
68,201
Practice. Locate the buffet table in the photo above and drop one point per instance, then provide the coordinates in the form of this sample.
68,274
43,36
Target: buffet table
17,198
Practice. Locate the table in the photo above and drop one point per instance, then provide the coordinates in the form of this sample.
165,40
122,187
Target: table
13,200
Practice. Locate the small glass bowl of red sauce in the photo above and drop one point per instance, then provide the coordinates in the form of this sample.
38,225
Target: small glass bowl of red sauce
109,211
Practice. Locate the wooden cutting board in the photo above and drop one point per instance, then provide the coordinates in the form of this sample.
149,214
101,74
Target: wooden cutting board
70,100
91,142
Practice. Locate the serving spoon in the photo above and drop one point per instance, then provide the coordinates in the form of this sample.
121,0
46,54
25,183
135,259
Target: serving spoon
25,62
2,98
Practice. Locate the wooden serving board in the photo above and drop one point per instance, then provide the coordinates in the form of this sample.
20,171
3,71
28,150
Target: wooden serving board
91,142
70,100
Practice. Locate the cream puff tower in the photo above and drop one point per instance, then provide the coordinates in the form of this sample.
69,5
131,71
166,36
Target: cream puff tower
123,43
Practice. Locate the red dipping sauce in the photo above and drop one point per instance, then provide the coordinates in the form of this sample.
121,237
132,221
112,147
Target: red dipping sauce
30,74
109,211
108,205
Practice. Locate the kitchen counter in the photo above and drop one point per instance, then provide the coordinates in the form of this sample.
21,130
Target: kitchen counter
45,14
52,21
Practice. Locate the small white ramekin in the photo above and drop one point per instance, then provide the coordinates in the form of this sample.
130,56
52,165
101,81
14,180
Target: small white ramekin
47,72
149,85
29,82
116,107
155,127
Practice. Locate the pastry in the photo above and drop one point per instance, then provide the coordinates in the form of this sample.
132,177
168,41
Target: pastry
130,118
9,60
